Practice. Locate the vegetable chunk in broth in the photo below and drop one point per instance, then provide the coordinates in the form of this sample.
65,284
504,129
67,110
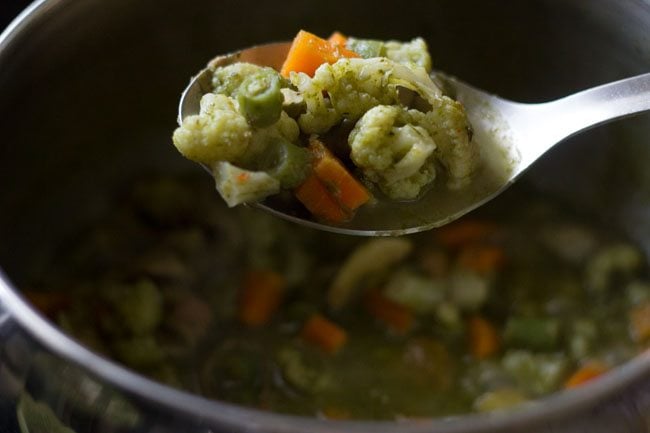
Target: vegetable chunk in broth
342,125
491,312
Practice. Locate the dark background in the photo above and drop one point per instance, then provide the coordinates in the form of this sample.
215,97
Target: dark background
9,9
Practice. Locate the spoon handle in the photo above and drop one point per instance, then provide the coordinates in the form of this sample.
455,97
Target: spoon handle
600,104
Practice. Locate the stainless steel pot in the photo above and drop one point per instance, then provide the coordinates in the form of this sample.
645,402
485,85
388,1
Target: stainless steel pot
89,92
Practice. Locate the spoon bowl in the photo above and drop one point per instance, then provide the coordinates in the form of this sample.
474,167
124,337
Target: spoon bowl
511,137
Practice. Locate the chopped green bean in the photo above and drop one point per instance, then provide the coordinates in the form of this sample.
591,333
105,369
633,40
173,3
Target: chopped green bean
286,162
260,98
533,333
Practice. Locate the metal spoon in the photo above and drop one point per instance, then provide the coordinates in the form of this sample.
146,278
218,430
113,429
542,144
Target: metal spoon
511,135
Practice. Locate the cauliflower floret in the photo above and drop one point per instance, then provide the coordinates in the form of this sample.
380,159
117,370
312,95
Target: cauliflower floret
286,128
227,79
448,125
319,115
413,53
218,133
354,86
237,185
394,151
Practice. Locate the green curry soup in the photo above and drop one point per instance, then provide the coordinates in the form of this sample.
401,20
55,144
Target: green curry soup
495,310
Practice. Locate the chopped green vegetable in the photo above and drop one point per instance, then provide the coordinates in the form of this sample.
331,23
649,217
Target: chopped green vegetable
260,98
533,333
286,162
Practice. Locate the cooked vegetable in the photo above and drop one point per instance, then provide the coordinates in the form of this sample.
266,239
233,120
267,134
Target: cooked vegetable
483,337
308,52
237,185
300,373
393,151
338,38
241,307
324,333
331,193
137,307
583,337
483,259
585,373
414,290
367,48
227,80
318,116
414,53
218,133
294,103
260,99
345,189
468,290
261,294
397,317
317,199
402,128
640,322
286,162
262,149
464,232
369,259
354,86
500,399
448,126
532,333
536,374
609,261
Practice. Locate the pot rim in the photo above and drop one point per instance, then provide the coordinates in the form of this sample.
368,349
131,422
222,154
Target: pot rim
558,405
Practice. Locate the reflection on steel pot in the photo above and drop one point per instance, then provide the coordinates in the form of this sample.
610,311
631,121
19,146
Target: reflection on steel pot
89,93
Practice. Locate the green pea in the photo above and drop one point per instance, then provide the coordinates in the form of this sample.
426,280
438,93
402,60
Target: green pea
260,99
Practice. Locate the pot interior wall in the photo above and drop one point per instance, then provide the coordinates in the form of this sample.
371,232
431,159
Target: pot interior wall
90,92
